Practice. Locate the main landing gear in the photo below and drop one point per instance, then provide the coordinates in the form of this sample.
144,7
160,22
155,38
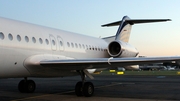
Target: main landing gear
26,86
84,88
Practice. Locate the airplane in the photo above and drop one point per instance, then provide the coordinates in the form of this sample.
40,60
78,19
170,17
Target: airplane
29,50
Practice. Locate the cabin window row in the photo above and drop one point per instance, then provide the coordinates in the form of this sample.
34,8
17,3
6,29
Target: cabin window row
73,45
88,47
27,39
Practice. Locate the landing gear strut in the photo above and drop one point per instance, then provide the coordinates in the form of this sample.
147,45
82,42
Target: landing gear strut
26,86
84,88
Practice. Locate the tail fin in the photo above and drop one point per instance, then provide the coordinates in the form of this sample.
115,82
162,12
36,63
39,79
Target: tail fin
124,30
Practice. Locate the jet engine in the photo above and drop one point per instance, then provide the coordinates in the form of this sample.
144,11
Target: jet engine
121,49
132,67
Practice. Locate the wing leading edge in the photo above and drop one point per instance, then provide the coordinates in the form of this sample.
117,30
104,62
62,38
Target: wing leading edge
80,64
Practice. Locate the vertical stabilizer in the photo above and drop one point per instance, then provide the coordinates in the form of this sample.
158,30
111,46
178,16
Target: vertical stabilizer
124,30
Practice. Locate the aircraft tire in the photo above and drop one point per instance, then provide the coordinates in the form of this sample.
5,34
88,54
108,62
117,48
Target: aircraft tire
78,88
88,89
21,86
28,86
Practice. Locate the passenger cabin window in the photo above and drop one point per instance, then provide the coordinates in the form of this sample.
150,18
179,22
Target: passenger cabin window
47,42
87,47
10,36
76,45
92,48
98,49
72,45
83,46
53,42
40,41
68,44
1,36
19,38
79,45
26,39
33,39
61,44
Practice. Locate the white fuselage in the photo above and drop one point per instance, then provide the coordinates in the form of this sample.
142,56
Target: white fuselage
19,41
29,39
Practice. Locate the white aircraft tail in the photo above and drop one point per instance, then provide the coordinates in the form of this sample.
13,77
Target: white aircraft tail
124,30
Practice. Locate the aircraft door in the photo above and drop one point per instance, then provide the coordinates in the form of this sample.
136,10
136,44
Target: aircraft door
53,42
60,43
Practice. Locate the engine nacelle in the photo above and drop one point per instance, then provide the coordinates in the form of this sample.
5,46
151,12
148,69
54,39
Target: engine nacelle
121,49
97,70
132,67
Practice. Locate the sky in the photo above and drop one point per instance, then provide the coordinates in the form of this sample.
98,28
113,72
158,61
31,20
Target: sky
86,17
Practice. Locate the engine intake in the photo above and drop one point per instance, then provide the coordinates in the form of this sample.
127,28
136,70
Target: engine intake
114,49
121,49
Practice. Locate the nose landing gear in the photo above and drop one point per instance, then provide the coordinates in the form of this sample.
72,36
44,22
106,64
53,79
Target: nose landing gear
26,86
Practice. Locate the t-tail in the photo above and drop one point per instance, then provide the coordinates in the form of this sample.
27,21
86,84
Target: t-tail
118,45
124,30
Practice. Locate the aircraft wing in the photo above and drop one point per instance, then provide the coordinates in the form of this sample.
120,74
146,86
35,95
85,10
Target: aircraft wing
79,64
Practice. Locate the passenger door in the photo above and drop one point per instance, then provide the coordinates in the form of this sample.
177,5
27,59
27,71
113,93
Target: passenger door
53,42
60,43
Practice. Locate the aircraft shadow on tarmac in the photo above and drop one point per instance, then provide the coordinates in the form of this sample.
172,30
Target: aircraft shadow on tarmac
138,87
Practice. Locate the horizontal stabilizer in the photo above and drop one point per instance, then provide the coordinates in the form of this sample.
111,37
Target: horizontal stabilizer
135,21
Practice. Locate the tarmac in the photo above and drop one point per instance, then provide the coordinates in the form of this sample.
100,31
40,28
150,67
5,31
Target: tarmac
107,88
